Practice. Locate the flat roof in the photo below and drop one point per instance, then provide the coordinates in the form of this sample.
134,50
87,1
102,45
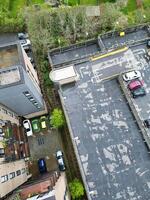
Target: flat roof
64,73
113,157
9,56
5,76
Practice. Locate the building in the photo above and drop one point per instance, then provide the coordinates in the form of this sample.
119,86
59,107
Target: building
12,175
112,156
21,93
8,115
14,150
51,186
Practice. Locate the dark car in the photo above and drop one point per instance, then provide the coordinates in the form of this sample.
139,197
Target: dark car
138,92
147,123
42,165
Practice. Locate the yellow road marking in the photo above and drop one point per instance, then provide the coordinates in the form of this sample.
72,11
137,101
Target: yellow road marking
109,54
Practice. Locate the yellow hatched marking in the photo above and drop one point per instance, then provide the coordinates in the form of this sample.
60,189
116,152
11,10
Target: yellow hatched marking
109,54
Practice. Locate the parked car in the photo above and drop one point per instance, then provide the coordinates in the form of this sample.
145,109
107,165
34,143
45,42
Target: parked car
43,122
28,128
131,75
22,36
25,44
147,123
134,84
60,160
138,92
42,165
30,56
148,43
35,125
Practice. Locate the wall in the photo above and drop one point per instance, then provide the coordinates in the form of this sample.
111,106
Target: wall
11,184
8,115
13,96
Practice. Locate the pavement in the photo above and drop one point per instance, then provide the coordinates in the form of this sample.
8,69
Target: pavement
74,53
44,145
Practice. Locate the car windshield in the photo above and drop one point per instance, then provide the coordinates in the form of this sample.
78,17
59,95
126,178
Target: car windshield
58,157
28,129
139,90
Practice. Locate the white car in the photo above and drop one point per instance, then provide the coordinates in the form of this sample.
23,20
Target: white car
22,36
131,75
28,128
25,43
60,160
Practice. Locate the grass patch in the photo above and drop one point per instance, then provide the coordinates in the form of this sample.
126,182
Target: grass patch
146,4
88,2
37,1
14,6
131,6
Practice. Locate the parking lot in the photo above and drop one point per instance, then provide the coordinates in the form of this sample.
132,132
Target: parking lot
113,158
143,103
43,144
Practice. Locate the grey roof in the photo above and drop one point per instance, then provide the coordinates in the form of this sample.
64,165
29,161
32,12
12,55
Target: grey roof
113,158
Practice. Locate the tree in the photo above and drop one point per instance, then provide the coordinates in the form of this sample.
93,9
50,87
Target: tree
76,189
57,118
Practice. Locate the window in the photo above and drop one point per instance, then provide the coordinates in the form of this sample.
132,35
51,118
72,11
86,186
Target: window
35,103
23,170
12,175
11,114
26,93
18,172
2,152
31,98
4,178
4,110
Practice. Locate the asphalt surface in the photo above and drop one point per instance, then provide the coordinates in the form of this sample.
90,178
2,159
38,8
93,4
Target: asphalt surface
111,65
114,158
117,41
143,103
74,54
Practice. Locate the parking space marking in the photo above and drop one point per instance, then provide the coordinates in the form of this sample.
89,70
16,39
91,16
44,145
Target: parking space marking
109,54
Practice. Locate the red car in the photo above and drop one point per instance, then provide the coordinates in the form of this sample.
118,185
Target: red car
133,85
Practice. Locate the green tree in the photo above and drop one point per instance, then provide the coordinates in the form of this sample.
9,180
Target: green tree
57,118
76,189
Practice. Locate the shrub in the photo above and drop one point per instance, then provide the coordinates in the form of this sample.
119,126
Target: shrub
57,118
76,189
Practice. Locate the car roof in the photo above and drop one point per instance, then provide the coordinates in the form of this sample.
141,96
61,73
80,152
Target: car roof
131,73
134,83
43,124
59,153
